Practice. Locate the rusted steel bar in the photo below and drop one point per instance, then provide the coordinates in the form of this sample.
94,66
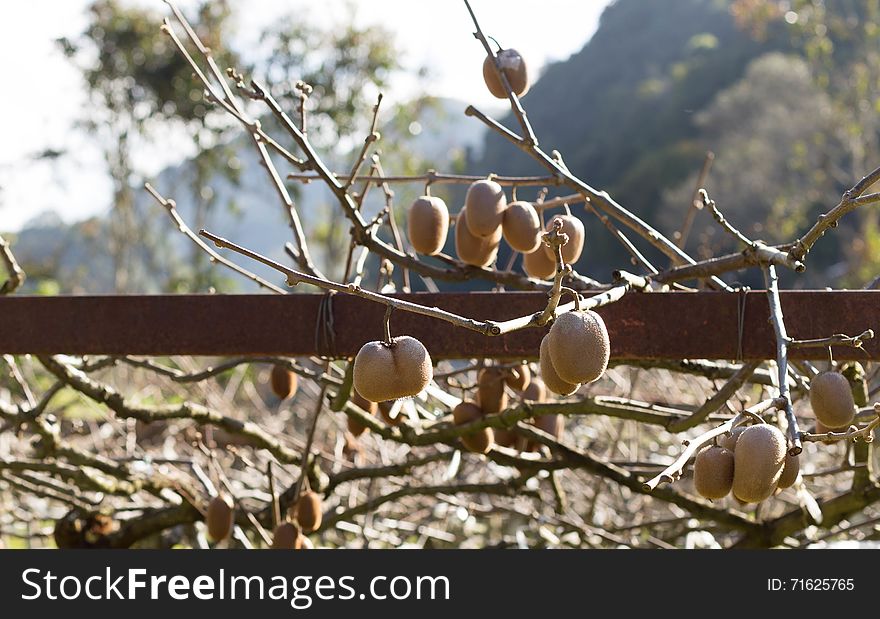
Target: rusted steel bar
675,325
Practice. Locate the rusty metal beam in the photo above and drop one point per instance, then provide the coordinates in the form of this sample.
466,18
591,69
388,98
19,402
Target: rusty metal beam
675,325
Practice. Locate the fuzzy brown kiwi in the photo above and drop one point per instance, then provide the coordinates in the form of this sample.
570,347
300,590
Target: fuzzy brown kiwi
287,537
553,425
485,203
354,426
548,373
505,437
473,250
790,471
401,370
490,390
219,518
428,225
728,441
758,462
574,228
579,347
284,382
521,227
536,391
477,442
515,70
539,265
832,400
713,472
309,509
519,377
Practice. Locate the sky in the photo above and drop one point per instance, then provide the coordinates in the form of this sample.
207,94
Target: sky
43,96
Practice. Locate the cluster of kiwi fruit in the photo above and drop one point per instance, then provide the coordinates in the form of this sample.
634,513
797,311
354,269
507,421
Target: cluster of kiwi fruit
574,352
492,398
304,517
752,462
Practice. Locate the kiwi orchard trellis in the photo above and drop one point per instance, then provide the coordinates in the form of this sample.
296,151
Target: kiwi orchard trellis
724,324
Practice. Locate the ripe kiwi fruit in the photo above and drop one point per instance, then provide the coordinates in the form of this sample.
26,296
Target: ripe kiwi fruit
521,227
579,347
287,537
539,264
551,379
790,471
758,461
728,441
354,426
385,409
309,509
536,391
387,372
219,518
551,424
518,378
477,442
713,472
471,249
428,225
515,70
284,382
832,400
505,437
574,228
490,390
485,203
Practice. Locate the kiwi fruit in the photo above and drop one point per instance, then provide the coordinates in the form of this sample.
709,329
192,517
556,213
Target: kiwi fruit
474,250
579,347
551,379
354,426
713,472
574,228
477,442
485,203
428,225
539,264
505,437
219,518
287,537
490,390
832,400
790,471
385,409
309,509
284,382
758,462
728,441
551,424
515,70
535,391
519,377
387,372
521,227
